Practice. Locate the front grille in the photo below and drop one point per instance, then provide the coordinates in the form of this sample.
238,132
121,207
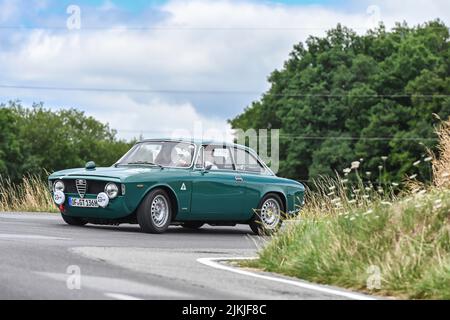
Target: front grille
92,186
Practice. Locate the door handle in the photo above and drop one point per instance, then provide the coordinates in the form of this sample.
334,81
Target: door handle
238,178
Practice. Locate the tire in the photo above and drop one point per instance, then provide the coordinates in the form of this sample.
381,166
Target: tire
269,215
154,215
193,225
73,221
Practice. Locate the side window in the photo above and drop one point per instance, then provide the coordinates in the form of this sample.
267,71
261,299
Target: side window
218,157
246,161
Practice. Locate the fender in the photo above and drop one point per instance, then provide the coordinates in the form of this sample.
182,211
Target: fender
173,194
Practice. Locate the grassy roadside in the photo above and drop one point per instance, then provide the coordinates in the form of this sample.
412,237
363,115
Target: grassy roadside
371,241
30,195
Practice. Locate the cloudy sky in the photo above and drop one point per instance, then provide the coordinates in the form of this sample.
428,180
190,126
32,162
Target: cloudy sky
151,66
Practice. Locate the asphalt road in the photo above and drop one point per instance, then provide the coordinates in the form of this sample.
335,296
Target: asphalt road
41,256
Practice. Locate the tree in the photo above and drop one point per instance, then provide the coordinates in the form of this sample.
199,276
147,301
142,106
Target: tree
345,96
37,139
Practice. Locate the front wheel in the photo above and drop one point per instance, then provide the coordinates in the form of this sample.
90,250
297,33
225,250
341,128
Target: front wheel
268,217
155,212
73,221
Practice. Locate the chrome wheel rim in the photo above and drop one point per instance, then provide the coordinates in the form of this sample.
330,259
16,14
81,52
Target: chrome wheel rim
160,211
270,213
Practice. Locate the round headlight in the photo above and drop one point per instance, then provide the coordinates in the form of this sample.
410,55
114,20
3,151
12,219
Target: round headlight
111,190
58,186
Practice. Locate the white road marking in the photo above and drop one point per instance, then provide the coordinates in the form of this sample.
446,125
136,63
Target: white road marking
29,237
124,286
213,262
29,216
120,296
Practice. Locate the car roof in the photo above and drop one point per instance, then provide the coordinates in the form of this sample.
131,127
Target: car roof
196,141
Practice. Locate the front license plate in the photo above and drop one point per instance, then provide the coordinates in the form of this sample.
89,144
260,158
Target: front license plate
83,203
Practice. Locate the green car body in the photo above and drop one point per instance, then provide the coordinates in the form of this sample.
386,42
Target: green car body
223,196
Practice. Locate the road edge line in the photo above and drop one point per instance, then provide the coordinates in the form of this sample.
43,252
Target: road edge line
121,296
215,263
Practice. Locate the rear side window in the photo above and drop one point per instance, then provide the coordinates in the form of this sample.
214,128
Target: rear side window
245,161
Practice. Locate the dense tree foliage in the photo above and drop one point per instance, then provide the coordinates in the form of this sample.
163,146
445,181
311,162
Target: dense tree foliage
38,139
345,96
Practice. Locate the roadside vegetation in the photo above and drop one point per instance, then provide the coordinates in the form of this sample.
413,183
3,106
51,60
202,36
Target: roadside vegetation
372,239
31,194
345,96
37,140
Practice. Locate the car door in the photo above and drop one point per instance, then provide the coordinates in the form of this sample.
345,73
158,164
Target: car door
255,176
218,191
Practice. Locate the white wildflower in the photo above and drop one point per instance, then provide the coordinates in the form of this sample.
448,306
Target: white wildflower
347,170
421,192
413,176
334,200
416,163
427,159
355,165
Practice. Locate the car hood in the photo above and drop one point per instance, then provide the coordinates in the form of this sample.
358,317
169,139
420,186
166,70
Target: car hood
104,172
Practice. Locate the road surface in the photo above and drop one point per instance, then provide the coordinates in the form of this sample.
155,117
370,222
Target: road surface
43,258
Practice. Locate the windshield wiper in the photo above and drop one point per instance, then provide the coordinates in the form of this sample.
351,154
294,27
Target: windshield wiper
146,162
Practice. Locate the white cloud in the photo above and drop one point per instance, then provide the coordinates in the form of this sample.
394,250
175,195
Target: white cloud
200,45
155,118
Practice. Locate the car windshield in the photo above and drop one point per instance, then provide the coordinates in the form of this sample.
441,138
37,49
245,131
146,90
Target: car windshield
160,153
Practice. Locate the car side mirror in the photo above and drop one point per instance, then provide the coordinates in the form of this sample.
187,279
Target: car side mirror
90,165
208,167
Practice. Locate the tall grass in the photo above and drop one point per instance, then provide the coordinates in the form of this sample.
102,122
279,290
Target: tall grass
370,238
30,195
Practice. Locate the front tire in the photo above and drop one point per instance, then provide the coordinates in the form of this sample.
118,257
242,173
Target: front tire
155,212
269,215
73,221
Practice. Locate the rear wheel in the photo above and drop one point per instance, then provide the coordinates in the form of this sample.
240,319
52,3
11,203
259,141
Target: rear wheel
194,225
73,221
155,212
268,217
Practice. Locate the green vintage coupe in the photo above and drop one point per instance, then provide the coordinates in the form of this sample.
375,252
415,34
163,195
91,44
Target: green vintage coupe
162,182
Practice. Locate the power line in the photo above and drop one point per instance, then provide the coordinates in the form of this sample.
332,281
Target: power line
292,136
189,28
214,92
